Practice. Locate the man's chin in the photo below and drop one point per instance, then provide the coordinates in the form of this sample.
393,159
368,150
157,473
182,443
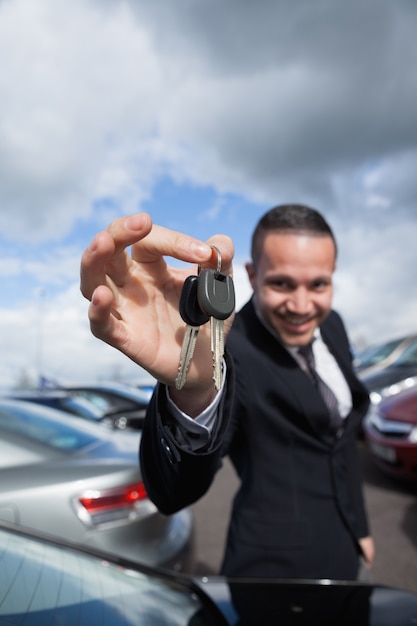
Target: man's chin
296,338
298,342
293,334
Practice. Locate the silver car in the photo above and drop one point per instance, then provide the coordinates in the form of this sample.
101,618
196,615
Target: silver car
81,481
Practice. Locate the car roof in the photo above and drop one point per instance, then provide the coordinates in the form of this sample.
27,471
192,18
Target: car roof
111,386
27,394
76,403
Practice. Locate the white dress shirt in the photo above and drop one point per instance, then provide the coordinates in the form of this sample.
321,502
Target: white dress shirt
196,431
329,371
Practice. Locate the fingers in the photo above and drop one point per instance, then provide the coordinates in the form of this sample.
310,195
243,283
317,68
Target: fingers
92,264
368,550
102,322
162,242
107,257
151,242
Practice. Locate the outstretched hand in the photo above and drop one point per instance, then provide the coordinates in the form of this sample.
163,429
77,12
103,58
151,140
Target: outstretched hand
134,296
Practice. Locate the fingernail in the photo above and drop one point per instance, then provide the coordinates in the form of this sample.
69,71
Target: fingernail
134,222
93,245
94,298
201,250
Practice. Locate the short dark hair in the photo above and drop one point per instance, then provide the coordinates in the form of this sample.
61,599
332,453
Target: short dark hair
287,218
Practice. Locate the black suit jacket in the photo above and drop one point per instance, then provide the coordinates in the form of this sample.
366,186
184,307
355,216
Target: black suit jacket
299,511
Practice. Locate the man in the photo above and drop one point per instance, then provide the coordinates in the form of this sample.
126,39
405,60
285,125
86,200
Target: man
289,426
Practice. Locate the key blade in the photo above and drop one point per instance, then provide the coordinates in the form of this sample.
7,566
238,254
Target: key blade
217,348
187,351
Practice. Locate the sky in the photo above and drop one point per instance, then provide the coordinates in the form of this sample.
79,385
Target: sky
204,115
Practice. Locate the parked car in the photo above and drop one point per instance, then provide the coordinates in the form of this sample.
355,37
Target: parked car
78,480
390,430
64,401
379,356
126,403
96,406
400,375
46,581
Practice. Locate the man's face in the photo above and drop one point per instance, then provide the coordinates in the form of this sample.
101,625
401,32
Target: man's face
292,283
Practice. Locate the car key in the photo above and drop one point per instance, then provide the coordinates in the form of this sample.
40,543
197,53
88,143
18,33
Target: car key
216,297
194,317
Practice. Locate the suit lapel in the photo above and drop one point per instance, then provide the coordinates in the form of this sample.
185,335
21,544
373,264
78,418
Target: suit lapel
340,353
304,396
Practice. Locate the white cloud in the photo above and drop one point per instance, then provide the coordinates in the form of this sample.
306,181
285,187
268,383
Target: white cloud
374,282
82,86
243,290
272,102
101,98
51,336
58,265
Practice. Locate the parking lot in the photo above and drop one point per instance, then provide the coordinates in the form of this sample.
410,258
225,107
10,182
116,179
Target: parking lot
392,510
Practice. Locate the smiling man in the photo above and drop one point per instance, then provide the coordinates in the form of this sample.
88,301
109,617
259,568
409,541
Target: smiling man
290,409
294,257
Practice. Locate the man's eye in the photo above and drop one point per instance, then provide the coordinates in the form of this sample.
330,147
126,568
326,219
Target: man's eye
280,285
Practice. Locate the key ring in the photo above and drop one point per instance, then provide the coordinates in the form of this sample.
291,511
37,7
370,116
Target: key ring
219,261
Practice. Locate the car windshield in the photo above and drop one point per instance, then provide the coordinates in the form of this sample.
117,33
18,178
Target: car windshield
43,425
81,406
42,583
104,402
113,399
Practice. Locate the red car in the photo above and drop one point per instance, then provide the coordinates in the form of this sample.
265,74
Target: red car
390,430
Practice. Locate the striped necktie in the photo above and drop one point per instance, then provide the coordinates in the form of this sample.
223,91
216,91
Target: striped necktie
330,400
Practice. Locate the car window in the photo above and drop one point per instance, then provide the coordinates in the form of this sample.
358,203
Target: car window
33,422
408,357
43,583
375,355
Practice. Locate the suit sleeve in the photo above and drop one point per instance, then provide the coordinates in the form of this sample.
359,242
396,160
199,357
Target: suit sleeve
174,476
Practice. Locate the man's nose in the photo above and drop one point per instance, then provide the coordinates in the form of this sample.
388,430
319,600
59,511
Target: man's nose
299,301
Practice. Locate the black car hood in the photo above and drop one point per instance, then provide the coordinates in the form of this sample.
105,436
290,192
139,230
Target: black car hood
311,603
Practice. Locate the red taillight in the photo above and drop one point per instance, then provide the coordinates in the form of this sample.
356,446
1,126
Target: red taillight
119,498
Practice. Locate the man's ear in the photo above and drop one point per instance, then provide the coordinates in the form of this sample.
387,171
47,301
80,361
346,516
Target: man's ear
250,268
